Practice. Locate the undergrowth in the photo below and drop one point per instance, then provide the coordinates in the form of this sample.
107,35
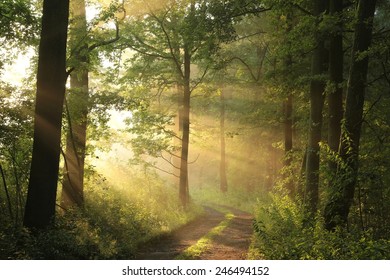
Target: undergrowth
235,198
112,224
281,234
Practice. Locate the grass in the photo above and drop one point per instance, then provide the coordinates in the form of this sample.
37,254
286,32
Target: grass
194,251
235,197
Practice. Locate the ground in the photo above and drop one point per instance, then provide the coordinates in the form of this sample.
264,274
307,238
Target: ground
231,243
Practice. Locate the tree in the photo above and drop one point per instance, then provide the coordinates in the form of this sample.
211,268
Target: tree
335,94
186,34
78,102
17,21
51,78
288,105
77,111
338,205
317,89
222,169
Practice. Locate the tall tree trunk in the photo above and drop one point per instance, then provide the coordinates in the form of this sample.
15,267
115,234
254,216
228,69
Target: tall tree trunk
183,188
335,97
288,129
337,208
77,109
179,131
51,77
317,88
288,113
222,167
288,132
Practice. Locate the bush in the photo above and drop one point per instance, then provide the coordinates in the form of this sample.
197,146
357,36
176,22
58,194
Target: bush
280,233
112,224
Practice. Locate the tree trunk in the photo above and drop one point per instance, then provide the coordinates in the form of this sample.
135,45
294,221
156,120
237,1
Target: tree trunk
51,78
177,140
337,208
288,133
335,97
183,188
288,129
222,168
6,193
73,182
317,88
288,111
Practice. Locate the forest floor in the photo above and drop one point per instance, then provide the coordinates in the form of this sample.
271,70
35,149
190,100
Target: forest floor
223,234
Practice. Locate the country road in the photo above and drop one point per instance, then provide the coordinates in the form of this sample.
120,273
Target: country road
215,235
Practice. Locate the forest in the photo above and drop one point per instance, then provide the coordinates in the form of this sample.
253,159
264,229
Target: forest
195,129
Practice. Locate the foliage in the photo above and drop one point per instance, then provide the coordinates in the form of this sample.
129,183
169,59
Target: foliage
235,197
134,53
112,225
15,149
18,21
282,234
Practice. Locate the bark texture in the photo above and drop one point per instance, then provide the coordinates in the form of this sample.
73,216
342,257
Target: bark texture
183,187
338,206
335,96
317,89
222,167
77,110
51,77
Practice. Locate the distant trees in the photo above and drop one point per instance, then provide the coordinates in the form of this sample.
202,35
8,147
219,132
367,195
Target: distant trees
51,78
222,168
187,35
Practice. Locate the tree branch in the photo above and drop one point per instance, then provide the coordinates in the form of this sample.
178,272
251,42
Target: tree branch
195,160
162,170
200,79
169,161
250,35
246,66
301,9
108,42
171,49
251,12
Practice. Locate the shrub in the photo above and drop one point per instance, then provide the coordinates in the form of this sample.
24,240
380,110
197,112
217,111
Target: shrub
280,233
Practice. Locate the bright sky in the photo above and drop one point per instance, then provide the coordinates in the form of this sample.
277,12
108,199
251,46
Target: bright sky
15,72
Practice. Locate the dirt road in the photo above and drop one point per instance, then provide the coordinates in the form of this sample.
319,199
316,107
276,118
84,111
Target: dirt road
231,243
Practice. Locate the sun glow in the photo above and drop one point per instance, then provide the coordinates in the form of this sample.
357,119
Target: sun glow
16,72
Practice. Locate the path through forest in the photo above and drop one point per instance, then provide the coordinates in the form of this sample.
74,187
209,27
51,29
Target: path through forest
222,234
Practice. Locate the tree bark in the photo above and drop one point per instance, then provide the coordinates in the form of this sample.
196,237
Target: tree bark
222,167
176,161
317,88
288,132
183,188
335,97
288,111
338,206
51,78
73,181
